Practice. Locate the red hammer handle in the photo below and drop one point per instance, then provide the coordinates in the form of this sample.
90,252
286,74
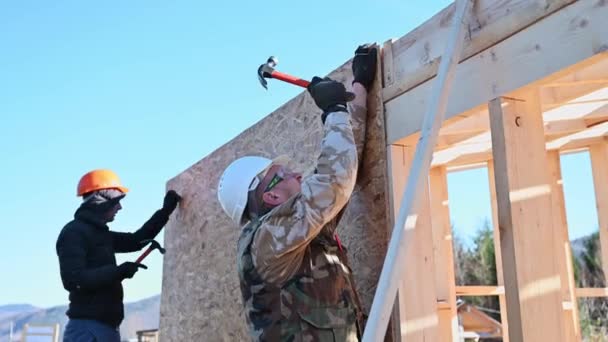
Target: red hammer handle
289,79
144,255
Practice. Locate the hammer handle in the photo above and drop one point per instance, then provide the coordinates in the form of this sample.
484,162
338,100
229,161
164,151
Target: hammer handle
289,79
143,256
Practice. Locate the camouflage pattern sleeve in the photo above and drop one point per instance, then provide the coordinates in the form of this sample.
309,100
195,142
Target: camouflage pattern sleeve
281,241
359,128
358,112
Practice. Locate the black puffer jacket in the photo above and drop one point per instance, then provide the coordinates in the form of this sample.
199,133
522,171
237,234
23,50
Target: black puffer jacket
86,248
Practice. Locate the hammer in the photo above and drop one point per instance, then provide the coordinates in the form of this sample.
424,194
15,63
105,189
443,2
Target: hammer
266,70
153,245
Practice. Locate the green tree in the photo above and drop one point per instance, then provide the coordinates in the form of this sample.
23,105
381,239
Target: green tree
588,272
476,265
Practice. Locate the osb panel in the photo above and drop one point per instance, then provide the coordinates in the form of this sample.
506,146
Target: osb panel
201,300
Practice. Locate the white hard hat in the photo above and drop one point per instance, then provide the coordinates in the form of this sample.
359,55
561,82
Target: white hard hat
238,179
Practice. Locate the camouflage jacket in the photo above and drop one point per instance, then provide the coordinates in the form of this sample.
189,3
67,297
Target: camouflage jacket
295,281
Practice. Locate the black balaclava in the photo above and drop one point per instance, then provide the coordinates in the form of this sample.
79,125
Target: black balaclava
101,201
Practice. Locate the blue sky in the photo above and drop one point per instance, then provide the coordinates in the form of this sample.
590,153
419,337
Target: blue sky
147,88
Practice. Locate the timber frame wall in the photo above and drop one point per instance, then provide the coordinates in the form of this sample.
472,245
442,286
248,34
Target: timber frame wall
532,83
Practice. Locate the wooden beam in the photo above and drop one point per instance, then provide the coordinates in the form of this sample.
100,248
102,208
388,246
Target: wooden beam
469,290
387,64
445,280
577,83
589,292
476,121
565,94
580,139
417,299
500,279
477,145
550,47
601,101
398,159
403,235
531,274
560,127
417,54
599,167
478,148
562,246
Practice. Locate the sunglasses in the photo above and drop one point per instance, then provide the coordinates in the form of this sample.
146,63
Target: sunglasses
276,179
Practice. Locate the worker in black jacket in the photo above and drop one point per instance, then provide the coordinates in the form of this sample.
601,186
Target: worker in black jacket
86,248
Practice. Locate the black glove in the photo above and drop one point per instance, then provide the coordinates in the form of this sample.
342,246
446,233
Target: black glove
364,65
128,269
329,95
171,200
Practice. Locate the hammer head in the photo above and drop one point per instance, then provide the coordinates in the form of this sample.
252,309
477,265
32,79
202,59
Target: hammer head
154,245
265,70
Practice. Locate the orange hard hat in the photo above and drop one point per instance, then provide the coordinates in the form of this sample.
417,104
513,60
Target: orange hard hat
99,180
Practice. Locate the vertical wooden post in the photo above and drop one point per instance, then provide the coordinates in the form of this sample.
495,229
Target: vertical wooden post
562,245
396,165
599,165
416,293
445,279
504,321
24,333
387,64
531,273
56,333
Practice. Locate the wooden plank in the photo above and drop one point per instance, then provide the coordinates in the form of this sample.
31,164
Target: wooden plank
582,138
56,333
398,159
591,292
416,186
472,120
417,299
477,145
417,54
531,274
24,333
478,148
577,83
387,64
599,167
445,278
601,101
478,122
550,47
562,246
470,290
504,320
415,78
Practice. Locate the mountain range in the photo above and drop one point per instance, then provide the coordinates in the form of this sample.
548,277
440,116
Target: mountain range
140,315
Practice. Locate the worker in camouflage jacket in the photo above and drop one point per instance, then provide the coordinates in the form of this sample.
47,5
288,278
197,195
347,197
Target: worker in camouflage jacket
295,279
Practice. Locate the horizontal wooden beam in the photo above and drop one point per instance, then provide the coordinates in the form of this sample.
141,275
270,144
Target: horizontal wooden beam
549,49
577,83
558,121
416,56
573,134
469,290
563,104
582,138
592,292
